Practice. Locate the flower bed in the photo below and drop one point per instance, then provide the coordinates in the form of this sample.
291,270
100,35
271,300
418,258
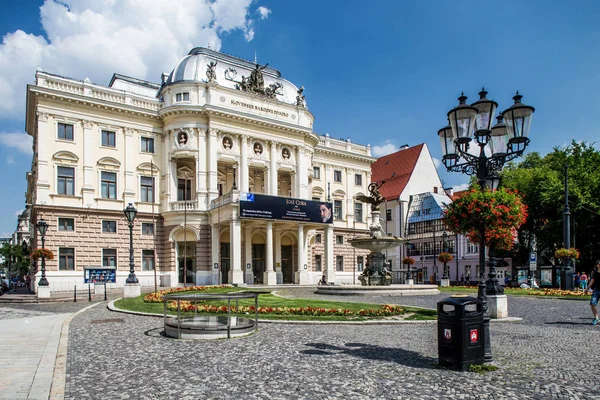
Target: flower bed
385,310
157,297
555,292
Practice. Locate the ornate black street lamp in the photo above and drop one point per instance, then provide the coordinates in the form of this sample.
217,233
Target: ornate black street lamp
445,244
507,139
42,227
130,213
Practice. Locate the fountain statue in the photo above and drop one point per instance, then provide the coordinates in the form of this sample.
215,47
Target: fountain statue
375,272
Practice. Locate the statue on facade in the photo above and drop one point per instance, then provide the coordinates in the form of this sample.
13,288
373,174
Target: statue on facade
211,73
375,199
273,89
300,100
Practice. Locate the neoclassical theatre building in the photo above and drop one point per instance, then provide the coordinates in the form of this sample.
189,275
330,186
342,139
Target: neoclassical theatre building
220,160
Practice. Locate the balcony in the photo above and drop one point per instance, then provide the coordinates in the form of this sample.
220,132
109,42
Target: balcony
190,205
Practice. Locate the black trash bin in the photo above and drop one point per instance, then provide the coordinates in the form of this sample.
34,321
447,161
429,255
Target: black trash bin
460,332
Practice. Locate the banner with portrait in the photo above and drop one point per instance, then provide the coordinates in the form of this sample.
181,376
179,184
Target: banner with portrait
284,208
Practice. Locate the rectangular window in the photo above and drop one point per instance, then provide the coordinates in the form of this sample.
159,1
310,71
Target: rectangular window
184,186
360,263
339,239
185,96
337,176
317,172
147,145
318,238
66,258
109,257
66,224
358,179
66,181
339,263
147,260
109,226
147,189
108,139
65,131
108,185
147,228
318,263
358,212
337,209
472,247
388,215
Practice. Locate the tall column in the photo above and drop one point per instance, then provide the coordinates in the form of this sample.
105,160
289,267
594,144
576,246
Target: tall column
214,251
243,170
89,145
269,277
172,177
350,198
273,170
129,176
213,191
201,164
46,129
278,270
329,256
236,275
249,274
301,173
302,273
165,172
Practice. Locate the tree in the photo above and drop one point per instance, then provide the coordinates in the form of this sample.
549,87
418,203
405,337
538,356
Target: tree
15,258
541,181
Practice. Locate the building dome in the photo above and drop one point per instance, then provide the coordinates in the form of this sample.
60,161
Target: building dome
229,72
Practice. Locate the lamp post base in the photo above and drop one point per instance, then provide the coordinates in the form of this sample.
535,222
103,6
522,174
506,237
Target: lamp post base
43,292
497,306
445,282
131,290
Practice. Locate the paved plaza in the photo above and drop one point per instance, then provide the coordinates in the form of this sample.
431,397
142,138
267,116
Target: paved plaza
552,353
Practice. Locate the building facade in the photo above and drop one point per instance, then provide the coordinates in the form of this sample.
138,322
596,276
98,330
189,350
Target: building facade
187,152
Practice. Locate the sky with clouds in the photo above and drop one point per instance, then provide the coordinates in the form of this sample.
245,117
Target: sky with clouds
384,75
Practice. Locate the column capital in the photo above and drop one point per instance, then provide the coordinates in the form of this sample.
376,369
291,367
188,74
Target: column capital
86,124
128,131
42,116
213,131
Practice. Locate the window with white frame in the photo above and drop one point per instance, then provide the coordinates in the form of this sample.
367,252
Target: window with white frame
472,247
65,181
360,263
147,189
147,260
339,263
147,228
337,175
337,209
339,239
147,145
66,258
66,224
108,139
358,179
317,172
108,185
65,131
109,257
388,215
184,96
358,211
109,226
318,262
318,238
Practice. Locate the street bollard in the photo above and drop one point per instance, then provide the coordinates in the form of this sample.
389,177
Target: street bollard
104,290
75,294
89,292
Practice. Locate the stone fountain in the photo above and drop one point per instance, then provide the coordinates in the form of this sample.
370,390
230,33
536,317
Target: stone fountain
375,273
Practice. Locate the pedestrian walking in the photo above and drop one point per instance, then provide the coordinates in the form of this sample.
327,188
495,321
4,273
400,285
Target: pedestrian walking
595,286
583,281
577,280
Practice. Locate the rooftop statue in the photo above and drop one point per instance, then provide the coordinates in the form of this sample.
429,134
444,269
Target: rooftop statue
375,199
300,101
211,73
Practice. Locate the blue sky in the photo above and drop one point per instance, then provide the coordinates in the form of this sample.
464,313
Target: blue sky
382,72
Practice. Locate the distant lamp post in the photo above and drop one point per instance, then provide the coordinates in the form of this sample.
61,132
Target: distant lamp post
130,213
445,244
42,227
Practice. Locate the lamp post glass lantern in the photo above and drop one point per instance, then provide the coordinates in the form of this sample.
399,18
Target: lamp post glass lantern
42,228
498,144
130,213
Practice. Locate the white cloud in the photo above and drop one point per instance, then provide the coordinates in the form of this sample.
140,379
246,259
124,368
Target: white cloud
20,141
19,212
387,148
436,162
458,188
94,39
10,160
264,12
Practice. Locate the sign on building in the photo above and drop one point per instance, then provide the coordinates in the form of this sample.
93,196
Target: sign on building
283,208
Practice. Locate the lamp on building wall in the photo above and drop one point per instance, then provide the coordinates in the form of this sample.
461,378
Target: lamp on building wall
130,213
42,227
498,144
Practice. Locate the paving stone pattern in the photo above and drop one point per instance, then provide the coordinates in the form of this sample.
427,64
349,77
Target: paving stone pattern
555,359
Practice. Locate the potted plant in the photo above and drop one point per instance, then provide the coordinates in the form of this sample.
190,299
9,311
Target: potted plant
566,253
39,253
408,261
445,257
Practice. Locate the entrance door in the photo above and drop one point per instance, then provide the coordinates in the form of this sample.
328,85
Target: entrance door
225,263
258,262
187,252
287,264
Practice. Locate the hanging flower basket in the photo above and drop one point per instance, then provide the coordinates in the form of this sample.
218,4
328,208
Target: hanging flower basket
566,253
445,257
408,261
39,253
500,212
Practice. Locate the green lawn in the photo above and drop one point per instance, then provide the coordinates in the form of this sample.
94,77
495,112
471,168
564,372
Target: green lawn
266,299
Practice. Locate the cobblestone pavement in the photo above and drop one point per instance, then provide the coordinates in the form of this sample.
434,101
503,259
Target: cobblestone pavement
552,354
